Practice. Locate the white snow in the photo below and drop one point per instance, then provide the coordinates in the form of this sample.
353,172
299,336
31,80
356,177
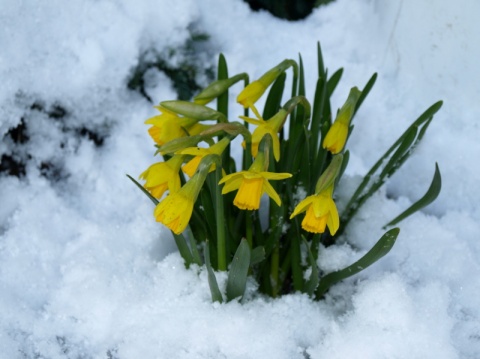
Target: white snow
86,272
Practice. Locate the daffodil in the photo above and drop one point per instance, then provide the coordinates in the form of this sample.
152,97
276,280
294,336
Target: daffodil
336,137
199,153
168,126
217,88
176,209
251,94
163,176
253,91
252,184
271,127
321,212
337,134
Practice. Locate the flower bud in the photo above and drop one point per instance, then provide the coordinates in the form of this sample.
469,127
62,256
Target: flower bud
193,110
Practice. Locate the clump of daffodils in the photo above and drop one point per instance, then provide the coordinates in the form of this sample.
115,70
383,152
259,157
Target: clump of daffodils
213,203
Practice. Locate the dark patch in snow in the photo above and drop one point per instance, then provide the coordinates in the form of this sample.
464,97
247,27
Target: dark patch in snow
188,67
40,124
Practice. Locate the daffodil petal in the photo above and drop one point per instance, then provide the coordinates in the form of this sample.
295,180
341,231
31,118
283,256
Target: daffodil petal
232,184
267,187
333,221
194,151
275,176
231,176
302,206
252,121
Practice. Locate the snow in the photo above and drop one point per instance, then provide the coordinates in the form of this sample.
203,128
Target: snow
85,271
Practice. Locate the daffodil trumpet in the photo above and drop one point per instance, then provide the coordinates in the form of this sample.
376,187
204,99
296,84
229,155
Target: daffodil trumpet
321,211
176,209
253,183
163,176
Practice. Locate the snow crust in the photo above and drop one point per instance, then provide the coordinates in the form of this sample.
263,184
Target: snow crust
85,271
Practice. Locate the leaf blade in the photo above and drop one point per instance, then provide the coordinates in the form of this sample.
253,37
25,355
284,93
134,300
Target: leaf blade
237,277
381,248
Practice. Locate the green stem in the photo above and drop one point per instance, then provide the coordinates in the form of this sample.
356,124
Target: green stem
274,270
220,219
249,228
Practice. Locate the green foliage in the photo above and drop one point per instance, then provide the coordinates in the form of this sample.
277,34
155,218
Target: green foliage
299,172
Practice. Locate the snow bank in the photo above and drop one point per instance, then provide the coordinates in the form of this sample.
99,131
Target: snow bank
85,272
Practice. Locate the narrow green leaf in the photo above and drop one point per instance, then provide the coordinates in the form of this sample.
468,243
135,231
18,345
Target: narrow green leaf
361,194
274,98
298,114
297,273
382,247
334,80
318,105
404,148
183,249
222,100
212,280
153,199
321,66
365,92
193,248
237,277
432,194
313,281
301,83
346,158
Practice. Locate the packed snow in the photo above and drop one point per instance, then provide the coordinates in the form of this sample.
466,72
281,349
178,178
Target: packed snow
86,272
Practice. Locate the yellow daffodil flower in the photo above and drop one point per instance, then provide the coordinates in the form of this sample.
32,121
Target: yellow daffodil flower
252,184
336,137
199,153
271,126
337,134
321,212
251,94
163,176
168,126
253,91
176,209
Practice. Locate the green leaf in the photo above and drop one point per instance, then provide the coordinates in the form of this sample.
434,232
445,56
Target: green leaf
274,98
212,280
258,255
432,194
403,146
381,248
313,281
183,249
297,273
321,66
333,81
365,92
222,74
237,277
193,248
153,199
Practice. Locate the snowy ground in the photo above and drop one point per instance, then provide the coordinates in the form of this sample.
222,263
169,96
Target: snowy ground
85,271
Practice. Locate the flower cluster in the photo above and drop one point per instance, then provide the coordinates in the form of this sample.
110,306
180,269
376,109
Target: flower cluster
290,150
